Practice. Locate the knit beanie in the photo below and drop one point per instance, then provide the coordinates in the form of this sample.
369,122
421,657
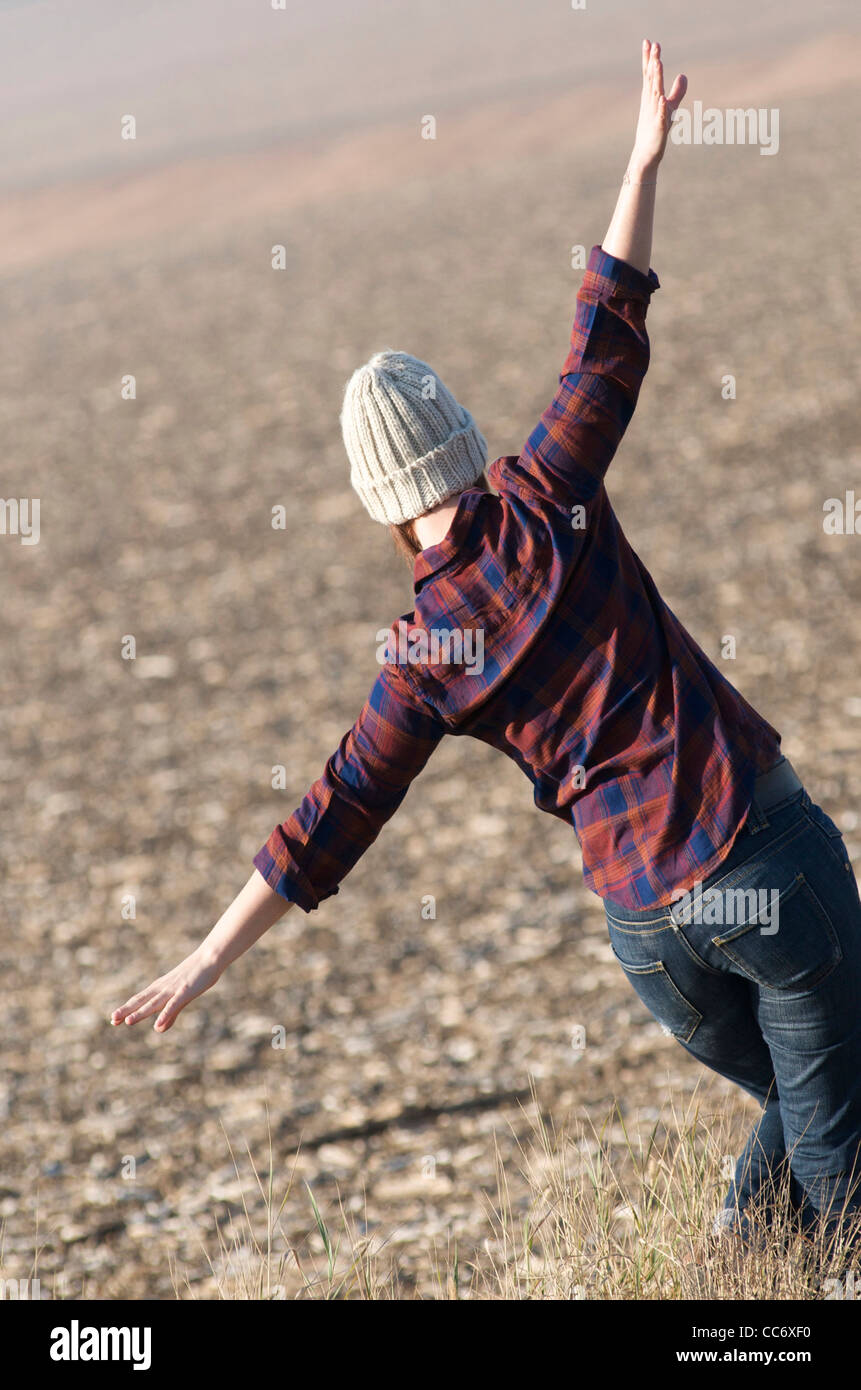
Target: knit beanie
409,442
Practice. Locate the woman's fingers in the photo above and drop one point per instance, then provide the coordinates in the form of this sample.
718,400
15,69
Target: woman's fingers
656,108
168,995
653,70
172,1008
648,51
677,91
148,1002
146,1009
130,1005
166,1018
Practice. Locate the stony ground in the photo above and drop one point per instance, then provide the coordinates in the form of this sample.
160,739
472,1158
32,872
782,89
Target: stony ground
409,1045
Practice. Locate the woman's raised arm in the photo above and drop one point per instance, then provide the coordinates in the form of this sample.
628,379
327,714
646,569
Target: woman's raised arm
629,236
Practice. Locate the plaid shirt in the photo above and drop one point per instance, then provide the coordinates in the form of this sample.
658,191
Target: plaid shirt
587,680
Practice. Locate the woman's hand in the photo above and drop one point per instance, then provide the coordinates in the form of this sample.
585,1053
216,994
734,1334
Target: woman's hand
253,911
169,994
656,110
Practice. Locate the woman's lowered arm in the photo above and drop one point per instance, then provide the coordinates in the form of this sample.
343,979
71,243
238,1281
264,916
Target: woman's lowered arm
629,236
305,858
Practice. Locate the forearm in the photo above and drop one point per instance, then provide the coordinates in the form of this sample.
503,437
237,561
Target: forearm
253,911
365,780
629,235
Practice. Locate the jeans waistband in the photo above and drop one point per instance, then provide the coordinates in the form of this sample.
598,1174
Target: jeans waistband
780,782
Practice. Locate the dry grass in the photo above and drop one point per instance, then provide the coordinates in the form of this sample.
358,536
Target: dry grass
604,1221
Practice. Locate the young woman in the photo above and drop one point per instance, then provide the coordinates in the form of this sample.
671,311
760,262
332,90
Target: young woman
729,895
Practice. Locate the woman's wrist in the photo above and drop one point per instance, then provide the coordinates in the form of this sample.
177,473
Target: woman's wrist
642,169
210,956
629,235
255,909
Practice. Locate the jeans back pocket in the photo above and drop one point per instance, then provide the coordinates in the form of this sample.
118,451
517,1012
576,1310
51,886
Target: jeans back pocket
785,942
662,997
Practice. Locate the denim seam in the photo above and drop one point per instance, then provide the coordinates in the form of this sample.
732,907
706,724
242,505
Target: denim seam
830,840
645,929
695,956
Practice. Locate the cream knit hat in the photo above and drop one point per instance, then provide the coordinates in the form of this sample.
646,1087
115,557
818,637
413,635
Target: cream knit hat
409,442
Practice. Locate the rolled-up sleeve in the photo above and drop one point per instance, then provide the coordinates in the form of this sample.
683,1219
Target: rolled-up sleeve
568,453
362,785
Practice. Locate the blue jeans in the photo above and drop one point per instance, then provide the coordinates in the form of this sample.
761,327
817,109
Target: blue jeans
759,978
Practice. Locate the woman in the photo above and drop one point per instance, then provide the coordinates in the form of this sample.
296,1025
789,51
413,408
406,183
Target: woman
729,895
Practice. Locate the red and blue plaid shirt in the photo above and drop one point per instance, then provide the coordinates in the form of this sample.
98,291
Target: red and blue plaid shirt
587,680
